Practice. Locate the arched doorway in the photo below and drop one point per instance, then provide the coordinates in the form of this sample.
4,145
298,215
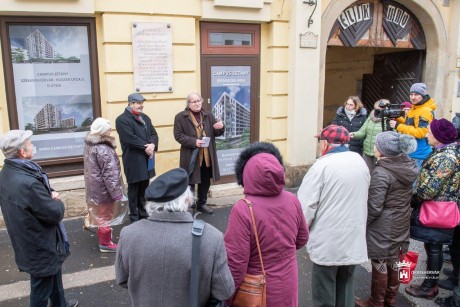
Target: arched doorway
375,49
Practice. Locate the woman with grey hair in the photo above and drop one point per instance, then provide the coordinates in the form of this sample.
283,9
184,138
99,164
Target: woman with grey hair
164,250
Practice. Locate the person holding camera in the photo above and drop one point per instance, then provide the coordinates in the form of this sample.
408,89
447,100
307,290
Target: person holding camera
417,120
369,130
352,116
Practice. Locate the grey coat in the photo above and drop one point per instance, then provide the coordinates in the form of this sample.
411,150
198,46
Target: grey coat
389,208
185,134
154,261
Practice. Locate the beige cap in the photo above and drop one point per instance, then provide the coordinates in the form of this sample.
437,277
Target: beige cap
13,139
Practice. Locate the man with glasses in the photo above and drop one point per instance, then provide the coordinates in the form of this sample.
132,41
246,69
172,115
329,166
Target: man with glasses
195,129
139,141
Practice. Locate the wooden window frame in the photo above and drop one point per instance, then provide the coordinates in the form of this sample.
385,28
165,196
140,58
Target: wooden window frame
209,27
55,167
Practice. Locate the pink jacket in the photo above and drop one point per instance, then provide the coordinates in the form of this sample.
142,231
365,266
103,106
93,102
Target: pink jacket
281,227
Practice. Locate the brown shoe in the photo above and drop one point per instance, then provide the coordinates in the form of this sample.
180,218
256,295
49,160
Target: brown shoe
422,291
205,209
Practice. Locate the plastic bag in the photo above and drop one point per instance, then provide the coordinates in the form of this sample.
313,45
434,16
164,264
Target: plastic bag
106,215
406,266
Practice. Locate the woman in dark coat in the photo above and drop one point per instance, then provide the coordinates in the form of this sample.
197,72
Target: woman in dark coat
352,116
281,226
390,192
190,126
102,180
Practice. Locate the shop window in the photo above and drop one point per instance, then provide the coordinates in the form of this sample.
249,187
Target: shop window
52,86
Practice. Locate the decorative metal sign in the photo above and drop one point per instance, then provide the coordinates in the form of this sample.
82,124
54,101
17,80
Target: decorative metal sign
152,56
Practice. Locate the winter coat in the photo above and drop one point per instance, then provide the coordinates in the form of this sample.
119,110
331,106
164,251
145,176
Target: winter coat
281,228
185,134
102,170
368,131
154,262
32,218
416,124
133,136
439,179
388,211
353,125
333,195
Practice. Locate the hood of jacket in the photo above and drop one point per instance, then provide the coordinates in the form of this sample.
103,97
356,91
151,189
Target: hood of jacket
401,166
263,175
94,139
429,103
361,112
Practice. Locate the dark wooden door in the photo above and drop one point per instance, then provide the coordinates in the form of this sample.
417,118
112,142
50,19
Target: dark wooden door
392,77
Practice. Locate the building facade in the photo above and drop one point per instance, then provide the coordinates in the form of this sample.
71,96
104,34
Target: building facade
286,65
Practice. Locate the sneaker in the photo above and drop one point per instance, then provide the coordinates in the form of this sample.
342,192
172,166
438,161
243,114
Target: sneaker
72,303
449,284
205,209
111,248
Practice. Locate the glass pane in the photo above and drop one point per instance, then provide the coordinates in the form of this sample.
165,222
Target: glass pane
230,39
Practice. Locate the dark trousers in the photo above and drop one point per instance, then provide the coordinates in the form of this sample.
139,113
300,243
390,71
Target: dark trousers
332,286
433,264
455,256
47,288
203,187
136,199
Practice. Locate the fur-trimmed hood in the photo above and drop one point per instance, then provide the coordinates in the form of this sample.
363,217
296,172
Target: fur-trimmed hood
94,139
248,153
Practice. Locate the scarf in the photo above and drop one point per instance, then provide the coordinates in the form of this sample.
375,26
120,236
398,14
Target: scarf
204,151
137,115
34,166
337,149
350,114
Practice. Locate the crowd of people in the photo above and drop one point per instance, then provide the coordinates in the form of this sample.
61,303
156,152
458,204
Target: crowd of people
362,199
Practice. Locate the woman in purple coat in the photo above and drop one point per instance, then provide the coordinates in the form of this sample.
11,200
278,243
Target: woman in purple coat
281,226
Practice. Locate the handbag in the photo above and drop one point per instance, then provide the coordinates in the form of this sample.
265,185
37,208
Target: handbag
406,266
439,214
252,291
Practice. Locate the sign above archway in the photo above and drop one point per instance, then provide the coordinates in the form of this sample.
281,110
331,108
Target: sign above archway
377,23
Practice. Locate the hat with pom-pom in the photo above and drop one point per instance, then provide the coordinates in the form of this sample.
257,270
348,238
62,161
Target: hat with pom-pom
390,143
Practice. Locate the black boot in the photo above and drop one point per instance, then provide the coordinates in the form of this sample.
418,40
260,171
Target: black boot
429,287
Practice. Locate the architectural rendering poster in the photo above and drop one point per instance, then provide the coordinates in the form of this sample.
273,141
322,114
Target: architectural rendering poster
230,97
52,83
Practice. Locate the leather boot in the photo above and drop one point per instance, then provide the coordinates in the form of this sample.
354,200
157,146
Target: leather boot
378,289
429,287
392,288
104,235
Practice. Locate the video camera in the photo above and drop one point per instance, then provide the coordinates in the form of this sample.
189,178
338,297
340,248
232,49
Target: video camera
388,111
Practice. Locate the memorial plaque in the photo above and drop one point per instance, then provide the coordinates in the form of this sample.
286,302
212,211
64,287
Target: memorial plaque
152,56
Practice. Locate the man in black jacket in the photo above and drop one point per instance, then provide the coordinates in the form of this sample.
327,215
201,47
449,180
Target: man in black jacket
33,215
139,141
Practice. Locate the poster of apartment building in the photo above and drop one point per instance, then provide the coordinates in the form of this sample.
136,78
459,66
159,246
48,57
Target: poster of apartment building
53,89
230,100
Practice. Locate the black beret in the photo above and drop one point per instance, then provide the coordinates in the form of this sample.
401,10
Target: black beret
167,186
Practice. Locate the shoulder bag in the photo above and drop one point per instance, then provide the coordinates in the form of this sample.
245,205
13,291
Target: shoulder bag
439,214
252,291
197,231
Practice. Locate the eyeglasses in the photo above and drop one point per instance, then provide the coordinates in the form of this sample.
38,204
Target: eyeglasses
350,104
196,101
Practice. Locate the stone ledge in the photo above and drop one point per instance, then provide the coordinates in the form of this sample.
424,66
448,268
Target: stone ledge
222,190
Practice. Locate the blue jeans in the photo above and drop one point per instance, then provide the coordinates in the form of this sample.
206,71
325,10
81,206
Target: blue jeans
44,289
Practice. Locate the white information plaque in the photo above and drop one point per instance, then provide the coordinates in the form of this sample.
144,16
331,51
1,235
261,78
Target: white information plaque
152,56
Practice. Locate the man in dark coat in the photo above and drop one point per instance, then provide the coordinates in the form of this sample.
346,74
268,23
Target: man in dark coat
139,141
33,215
190,126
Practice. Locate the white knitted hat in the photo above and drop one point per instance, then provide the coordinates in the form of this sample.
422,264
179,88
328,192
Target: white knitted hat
100,125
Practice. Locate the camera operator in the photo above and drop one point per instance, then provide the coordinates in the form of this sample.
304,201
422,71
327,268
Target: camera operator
417,120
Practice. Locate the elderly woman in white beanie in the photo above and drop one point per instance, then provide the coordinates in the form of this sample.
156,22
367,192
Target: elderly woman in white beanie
388,220
102,180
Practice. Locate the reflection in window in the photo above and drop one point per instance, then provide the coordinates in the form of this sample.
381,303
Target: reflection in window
230,39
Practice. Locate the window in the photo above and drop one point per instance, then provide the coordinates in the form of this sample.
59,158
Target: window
230,38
